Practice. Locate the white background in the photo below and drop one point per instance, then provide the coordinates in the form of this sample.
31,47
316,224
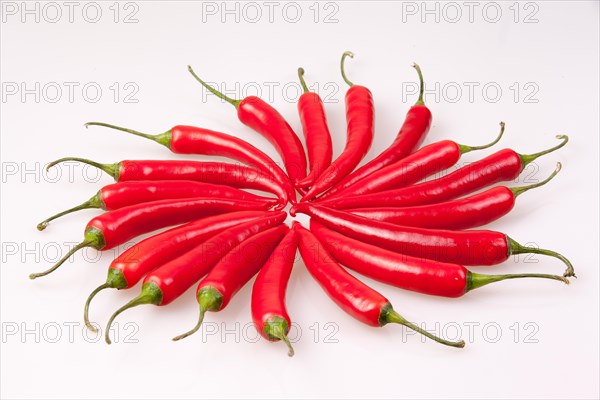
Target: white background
548,333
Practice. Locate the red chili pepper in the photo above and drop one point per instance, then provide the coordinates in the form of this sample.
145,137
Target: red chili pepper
172,279
406,272
254,112
411,134
467,212
419,165
504,165
360,117
183,139
123,194
116,227
316,133
351,295
132,265
471,247
237,176
269,313
233,271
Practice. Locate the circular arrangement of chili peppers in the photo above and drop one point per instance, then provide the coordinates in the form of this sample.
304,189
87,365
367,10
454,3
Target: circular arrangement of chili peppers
379,220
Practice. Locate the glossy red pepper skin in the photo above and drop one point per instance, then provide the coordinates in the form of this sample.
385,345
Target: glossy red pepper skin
270,287
474,247
413,168
411,135
468,212
128,193
143,258
179,274
185,139
360,119
116,227
147,255
264,119
193,140
317,136
172,279
504,165
237,176
119,226
351,295
238,266
464,213
406,272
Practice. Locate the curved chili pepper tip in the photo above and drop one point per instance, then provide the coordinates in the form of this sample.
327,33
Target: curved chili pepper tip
86,308
222,96
346,54
296,225
210,300
522,189
301,186
150,294
161,138
465,149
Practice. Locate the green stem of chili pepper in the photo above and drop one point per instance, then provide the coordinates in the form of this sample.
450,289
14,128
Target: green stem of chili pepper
94,202
388,315
222,96
522,189
209,299
150,294
528,158
517,248
420,101
110,169
475,281
346,54
115,280
275,328
465,149
301,78
161,138
93,238
86,308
